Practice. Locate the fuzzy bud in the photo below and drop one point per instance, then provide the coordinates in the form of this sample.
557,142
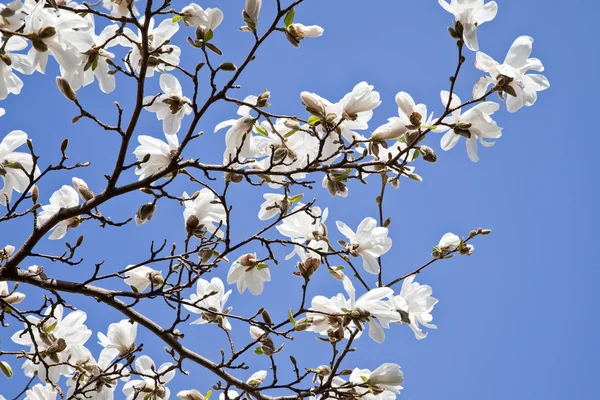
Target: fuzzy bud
66,89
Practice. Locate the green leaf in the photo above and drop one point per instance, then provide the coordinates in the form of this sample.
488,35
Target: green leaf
250,24
258,351
291,317
296,198
364,378
262,266
289,18
176,19
313,120
290,133
95,64
51,327
207,395
208,35
345,310
416,155
261,131
341,267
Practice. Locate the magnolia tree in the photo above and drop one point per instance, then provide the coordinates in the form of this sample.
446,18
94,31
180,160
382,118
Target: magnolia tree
281,155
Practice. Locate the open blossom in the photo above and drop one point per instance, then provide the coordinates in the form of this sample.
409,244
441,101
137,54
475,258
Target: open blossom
511,77
9,61
362,99
120,8
415,303
64,35
41,392
203,213
95,63
384,383
171,106
210,298
163,56
11,161
206,20
65,197
59,339
476,124
160,154
416,114
248,273
471,14
370,242
153,381
274,204
304,225
139,278
119,341
257,378
8,296
370,309
238,139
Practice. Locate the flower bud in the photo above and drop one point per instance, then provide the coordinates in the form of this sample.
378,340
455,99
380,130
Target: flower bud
247,260
428,154
145,213
82,188
313,104
205,255
35,194
7,251
263,99
66,89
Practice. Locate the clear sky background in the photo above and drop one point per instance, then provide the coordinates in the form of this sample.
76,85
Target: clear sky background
519,319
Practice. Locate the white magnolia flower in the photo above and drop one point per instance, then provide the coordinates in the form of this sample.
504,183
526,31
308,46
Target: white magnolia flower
60,339
382,384
120,8
476,124
255,332
274,204
171,106
370,309
206,20
163,56
190,395
257,378
305,225
7,251
302,31
370,242
415,303
204,212
231,395
395,128
153,382
95,63
65,197
362,99
210,298
252,10
119,341
139,278
11,161
9,61
238,139
471,14
449,243
416,114
511,77
160,153
7,296
64,35
246,272
41,392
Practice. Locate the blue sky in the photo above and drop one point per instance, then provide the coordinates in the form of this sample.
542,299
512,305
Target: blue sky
516,319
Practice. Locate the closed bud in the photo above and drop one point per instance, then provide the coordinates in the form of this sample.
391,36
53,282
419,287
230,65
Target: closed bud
266,317
7,251
247,260
292,124
192,223
428,154
6,369
47,32
35,194
415,177
227,66
415,119
82,188
263,99
205,255
66,89
145,213
190,395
